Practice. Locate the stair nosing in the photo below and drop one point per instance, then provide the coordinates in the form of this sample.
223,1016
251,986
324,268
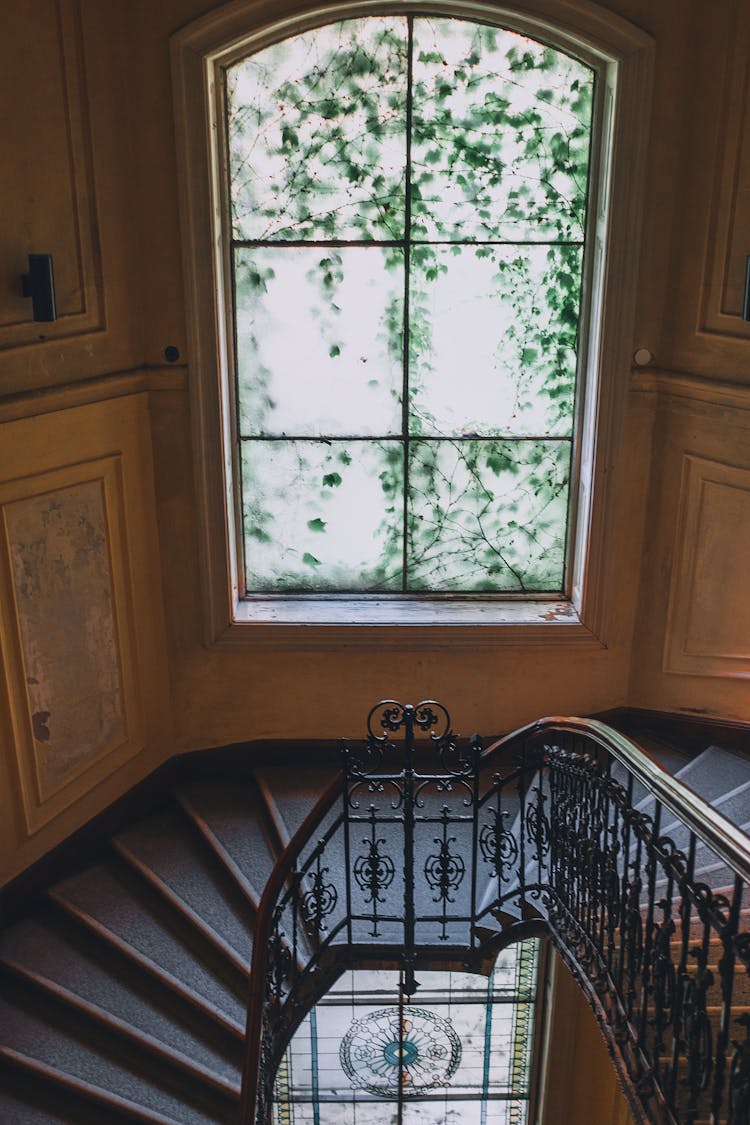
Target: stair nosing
148,964
85,1089
220,944
119,1026
274,813
224,857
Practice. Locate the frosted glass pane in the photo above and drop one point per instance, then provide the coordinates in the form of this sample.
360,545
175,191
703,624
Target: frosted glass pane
487,515
501,324
322,515
319,340
317,134
501,135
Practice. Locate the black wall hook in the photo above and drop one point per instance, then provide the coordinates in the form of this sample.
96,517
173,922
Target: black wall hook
39,284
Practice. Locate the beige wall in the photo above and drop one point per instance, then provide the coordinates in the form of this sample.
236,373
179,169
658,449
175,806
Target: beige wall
95,182
575,1045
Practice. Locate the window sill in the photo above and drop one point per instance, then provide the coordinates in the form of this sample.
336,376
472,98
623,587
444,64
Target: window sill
398,623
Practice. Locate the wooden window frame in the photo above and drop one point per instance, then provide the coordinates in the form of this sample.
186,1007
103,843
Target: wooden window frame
622,55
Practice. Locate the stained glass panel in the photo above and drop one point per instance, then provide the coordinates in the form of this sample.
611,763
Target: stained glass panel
450,1057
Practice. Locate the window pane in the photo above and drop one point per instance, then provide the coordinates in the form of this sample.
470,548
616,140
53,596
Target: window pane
501,323
317,134
501,135
319,340
322,515
487,515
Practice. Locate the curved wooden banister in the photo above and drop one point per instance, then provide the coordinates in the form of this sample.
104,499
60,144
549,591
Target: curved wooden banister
724,838
263,928
596,872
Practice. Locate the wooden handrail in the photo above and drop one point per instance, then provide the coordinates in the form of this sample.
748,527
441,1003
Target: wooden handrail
264,924
725,840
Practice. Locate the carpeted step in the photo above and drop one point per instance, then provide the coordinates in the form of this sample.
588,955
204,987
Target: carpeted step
290,794
63,959
169,853
715,773
115,903
234,821
44,1033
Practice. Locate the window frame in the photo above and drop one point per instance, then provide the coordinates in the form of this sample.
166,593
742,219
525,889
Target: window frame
622,57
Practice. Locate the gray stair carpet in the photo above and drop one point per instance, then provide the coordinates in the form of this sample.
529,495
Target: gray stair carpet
123,992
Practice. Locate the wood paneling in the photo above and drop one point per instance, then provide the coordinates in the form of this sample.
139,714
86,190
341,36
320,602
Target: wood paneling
47,203
82,642
708,625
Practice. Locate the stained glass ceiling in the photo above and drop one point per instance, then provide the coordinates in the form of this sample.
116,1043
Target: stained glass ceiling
459,1052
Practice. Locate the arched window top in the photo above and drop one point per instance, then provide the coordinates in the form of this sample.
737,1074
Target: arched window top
408,202
408,214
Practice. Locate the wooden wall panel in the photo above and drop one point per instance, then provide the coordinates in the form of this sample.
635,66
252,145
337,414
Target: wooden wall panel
47,203
708,625
702,329
87,701
75,696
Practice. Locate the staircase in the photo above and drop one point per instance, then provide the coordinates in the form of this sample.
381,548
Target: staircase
123,992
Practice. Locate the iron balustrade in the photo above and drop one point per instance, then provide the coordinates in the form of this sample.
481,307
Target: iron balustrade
428,853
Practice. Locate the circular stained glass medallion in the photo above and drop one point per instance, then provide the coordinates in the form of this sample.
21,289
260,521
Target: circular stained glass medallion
388,1055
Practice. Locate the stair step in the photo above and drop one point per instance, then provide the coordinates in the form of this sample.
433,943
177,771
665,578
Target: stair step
172,856
290,795
67,961
714,773
234,821
49,1039
110,900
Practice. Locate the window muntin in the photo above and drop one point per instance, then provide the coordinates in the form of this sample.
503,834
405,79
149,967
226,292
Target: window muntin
405,396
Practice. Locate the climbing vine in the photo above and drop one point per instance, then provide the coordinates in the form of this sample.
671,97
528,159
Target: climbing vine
408,207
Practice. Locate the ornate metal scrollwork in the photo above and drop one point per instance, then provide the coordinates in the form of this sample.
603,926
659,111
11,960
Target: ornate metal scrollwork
374,871
739,1077
499,846
445,870
697,1031
556,840
318,901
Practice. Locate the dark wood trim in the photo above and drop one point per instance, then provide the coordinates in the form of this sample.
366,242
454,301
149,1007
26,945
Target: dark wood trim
688,732
692,733
147,797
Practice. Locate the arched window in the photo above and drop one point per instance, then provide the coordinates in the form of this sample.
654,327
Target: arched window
399,230
408,236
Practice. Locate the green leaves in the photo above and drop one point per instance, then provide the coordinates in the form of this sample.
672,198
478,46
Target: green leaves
499,148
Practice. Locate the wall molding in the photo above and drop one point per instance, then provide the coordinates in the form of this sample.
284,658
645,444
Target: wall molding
708,621
81,304
86,567
680,384
101,388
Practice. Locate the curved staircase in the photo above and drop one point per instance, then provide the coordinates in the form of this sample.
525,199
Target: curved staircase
123,991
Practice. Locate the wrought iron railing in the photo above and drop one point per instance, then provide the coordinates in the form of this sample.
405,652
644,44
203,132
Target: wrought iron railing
424,853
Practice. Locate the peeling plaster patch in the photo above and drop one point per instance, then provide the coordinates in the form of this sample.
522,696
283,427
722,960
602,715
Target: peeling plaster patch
64,599
564,609
39,723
